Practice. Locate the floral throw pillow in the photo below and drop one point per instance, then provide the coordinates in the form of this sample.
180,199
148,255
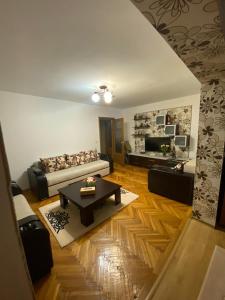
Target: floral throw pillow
82,158
53,164
61,163
71,160
48,164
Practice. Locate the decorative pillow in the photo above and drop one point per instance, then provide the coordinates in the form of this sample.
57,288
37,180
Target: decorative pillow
61,162
82,158
53,164
49,165
71,160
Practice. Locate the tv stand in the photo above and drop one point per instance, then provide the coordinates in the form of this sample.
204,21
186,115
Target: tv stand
148,160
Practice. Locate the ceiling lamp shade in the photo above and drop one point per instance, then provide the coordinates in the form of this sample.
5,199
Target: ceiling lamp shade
95,97
108,97
103,93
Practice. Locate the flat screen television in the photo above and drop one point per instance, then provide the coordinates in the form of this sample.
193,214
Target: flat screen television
170,130
182,140
154,143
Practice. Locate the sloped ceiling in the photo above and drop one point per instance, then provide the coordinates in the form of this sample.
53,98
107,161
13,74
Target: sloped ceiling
65,49
193,29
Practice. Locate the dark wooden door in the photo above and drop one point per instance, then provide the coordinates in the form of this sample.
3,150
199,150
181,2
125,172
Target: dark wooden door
118,140
105,133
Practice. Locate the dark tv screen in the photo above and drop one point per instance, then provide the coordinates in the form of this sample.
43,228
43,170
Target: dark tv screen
154,143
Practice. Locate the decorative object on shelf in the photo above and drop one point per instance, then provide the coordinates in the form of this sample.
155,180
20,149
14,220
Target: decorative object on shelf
171,130
165,149
102,93
142,126
161,119
173,152
88,186
182,141
180,166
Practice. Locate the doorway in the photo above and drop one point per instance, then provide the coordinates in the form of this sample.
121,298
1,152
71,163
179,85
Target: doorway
111,133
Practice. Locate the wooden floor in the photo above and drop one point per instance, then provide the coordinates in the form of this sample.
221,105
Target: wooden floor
185,273
122,258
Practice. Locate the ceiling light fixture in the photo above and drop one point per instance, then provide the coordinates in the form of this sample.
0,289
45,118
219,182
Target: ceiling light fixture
102,93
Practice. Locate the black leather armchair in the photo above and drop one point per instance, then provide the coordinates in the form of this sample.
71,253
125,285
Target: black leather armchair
36,242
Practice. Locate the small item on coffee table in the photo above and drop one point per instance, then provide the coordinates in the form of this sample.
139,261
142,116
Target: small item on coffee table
88,190
88,186
89,181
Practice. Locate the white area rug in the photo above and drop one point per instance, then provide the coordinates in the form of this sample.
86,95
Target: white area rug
65,223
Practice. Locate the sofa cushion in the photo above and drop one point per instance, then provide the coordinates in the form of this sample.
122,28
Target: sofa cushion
53,164
77,171
61,163
82,157
22,207
73,159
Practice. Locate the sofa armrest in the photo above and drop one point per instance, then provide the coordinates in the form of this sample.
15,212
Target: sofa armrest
37,247
37,171
38,182
16,190
108,158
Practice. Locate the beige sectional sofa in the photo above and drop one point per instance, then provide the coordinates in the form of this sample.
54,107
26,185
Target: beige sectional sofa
61,178
58,172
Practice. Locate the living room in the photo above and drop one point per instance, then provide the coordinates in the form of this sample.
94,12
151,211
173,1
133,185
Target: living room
61,74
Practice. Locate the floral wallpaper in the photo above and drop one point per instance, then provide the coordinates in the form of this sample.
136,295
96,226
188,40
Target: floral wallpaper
211,137
193,30
145,124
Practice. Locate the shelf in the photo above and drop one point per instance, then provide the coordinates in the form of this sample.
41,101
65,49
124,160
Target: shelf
141,128
142,119
139,135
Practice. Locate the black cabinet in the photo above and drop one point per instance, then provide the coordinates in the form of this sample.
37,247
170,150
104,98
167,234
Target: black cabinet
148,162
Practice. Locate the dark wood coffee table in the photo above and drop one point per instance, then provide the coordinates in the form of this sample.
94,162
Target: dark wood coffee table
86,204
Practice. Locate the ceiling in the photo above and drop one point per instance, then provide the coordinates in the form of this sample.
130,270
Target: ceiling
65,49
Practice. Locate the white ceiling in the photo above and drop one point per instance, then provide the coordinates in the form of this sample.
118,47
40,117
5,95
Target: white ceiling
65,48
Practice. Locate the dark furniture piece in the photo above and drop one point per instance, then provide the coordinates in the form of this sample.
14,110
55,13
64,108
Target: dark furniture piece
38,182
220,222
86,204
172,184
36,242
148,162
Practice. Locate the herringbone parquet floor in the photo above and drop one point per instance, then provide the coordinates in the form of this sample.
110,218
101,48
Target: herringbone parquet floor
121,258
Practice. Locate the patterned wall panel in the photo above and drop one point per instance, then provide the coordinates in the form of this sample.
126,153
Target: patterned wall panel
210,151
145,124
193,30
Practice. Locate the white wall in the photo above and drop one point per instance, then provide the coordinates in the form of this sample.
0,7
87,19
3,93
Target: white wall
35,127
193,100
